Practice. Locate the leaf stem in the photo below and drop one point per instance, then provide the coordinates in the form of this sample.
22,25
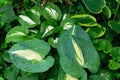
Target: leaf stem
116,11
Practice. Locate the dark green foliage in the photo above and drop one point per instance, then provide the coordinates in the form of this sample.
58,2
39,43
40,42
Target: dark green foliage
59,40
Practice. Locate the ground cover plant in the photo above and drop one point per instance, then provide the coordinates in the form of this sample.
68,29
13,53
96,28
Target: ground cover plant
59,40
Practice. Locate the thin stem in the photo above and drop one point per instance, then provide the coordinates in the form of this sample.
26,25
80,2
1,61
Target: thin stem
116,11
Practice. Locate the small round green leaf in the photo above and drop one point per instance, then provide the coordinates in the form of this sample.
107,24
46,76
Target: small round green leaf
115,54
113,65
102,44
11,72
31,56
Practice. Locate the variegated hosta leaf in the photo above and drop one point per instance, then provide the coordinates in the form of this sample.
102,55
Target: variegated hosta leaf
94,6
17,34
31,17
51,11
96,31
31,56
47,28
114,26
77,52
107,11
85,20
26,21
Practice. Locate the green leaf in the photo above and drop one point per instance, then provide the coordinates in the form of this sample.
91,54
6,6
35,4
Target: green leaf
1,24
85,20
102,75
117,75
63,76
47,28
11,72
94,6
1,78
66,22
17,34
74,50
52,42
30,18
7,12
6,57
96,31
102,44
107,12
118,1
31,56
26,21
115,53
51,11
34,14
3,2
28,76
114,25
113,65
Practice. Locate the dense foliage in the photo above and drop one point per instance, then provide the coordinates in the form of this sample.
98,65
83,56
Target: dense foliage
59,40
